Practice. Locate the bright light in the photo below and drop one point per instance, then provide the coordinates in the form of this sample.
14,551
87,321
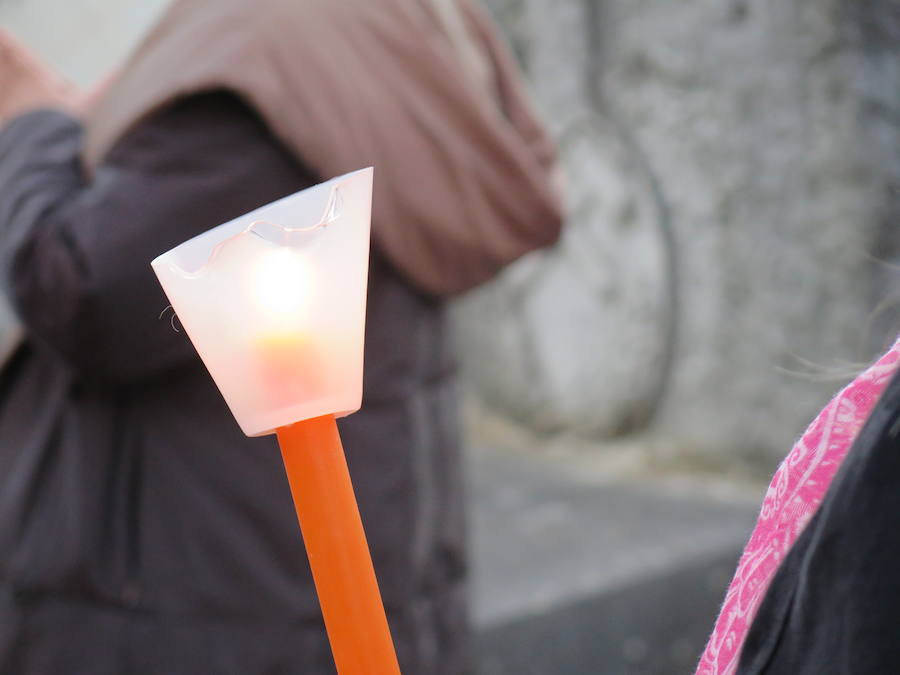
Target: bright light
282,284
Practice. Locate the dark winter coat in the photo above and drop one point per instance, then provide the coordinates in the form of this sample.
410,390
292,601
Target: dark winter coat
140,531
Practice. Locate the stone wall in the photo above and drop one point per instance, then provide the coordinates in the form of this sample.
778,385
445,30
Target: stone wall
733,177
728,189
875,36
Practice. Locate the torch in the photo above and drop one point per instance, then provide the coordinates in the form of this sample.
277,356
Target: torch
274,302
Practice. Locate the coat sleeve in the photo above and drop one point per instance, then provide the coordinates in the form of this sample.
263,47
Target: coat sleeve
78,251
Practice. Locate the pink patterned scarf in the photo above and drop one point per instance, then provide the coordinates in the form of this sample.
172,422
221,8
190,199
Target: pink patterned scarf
796,490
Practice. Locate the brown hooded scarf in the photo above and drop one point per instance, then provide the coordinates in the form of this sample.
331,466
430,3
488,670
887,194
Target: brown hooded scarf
463,180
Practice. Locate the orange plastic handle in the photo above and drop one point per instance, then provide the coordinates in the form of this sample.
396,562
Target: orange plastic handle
337,548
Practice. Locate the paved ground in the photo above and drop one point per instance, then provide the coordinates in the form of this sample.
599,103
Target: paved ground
577,572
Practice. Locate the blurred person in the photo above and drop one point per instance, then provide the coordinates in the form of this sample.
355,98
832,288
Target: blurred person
140,531
817,589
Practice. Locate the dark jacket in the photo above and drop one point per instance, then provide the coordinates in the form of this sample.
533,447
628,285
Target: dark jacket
140,531
833,607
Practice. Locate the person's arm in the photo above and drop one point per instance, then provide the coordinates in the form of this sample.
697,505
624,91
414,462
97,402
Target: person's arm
79,256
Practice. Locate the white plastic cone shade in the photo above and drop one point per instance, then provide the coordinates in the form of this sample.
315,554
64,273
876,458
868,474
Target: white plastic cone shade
275,303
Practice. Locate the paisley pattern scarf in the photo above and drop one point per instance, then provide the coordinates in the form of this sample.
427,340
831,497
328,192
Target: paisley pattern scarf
796,491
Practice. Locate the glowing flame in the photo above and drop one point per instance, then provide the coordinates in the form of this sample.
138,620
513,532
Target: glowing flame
282,284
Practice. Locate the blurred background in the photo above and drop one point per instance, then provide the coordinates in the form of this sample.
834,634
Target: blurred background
732,257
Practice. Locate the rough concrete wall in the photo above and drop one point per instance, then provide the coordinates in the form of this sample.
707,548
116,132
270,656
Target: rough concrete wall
748,117
875,37
548,355
764,133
